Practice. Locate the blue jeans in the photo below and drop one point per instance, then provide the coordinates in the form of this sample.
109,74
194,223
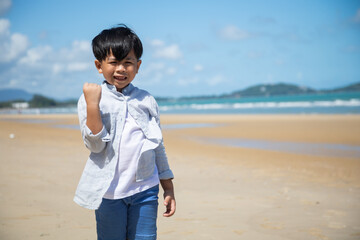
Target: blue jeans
132,218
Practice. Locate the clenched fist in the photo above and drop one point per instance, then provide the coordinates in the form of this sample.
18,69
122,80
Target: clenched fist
92,93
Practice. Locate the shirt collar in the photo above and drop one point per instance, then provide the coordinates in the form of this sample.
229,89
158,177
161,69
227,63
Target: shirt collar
126,91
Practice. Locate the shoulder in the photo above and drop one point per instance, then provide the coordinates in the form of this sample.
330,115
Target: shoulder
139,91
143,99
142,95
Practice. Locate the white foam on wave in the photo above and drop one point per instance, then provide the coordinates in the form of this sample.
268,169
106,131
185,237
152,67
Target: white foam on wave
264,105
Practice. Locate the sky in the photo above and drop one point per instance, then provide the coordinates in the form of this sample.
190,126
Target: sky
190,47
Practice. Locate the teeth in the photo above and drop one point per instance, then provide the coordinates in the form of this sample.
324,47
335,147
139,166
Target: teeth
120,78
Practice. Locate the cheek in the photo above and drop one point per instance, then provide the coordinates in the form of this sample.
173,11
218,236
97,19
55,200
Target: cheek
108,71
132,70
136,69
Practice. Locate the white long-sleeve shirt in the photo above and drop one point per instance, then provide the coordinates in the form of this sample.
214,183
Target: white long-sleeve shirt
124,183
100,167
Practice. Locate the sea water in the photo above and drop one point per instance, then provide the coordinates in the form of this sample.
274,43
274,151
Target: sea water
329,103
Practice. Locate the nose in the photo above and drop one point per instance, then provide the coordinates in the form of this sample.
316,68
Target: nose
120,68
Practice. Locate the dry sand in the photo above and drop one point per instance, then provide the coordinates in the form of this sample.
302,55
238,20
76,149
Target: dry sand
222,192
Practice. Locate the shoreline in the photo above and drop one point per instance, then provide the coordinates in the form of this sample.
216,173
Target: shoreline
195,122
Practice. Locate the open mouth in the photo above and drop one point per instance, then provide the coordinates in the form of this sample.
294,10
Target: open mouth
120,78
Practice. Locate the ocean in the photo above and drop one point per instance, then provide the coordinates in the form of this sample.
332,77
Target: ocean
329,103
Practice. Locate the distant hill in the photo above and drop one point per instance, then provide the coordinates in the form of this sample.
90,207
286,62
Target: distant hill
350,88
260,90
278,89
272,90
7,96
14,94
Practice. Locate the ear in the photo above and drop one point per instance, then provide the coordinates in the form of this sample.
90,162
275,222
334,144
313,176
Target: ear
138,66
98,66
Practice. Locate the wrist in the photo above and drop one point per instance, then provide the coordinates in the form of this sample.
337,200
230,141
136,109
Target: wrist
167,186
92,105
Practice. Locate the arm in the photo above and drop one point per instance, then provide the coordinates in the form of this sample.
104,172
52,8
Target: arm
166,176
90,119
169,197
92,94
165,173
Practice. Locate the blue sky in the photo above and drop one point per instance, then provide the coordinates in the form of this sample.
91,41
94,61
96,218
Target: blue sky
190,47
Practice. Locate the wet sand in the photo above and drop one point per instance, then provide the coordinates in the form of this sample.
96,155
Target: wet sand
222,192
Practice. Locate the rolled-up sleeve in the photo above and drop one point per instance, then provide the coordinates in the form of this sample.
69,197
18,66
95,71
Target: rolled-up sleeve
94,142
162,163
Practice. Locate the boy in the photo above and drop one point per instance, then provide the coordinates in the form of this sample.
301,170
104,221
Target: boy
120,126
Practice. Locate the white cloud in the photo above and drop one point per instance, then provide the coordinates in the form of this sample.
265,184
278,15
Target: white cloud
144,81
187,81
11,45
150,68
57,68
157,43
84,46
43,69
78,66
232,32
161,50
168,52
4,6
155,72
171,70
13,83
53,72
198,68
4,27
216,80
78,49
35,55
73,59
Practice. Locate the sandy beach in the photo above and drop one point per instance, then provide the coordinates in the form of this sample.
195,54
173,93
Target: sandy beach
259,189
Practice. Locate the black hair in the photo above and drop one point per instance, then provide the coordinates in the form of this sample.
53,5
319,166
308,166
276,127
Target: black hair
119,41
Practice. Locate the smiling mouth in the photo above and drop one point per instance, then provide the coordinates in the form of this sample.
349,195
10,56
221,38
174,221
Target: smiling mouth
120,78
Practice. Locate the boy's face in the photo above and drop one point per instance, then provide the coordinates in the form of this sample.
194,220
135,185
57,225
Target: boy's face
119,73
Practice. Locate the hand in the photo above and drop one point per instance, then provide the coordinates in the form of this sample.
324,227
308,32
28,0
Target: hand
169,197
170,204
92,93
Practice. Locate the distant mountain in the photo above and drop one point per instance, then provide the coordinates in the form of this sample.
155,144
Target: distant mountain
350,88
272,90
262,90
14,94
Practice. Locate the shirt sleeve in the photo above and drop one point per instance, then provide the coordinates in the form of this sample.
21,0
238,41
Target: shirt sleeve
94,142
162,163
161,159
